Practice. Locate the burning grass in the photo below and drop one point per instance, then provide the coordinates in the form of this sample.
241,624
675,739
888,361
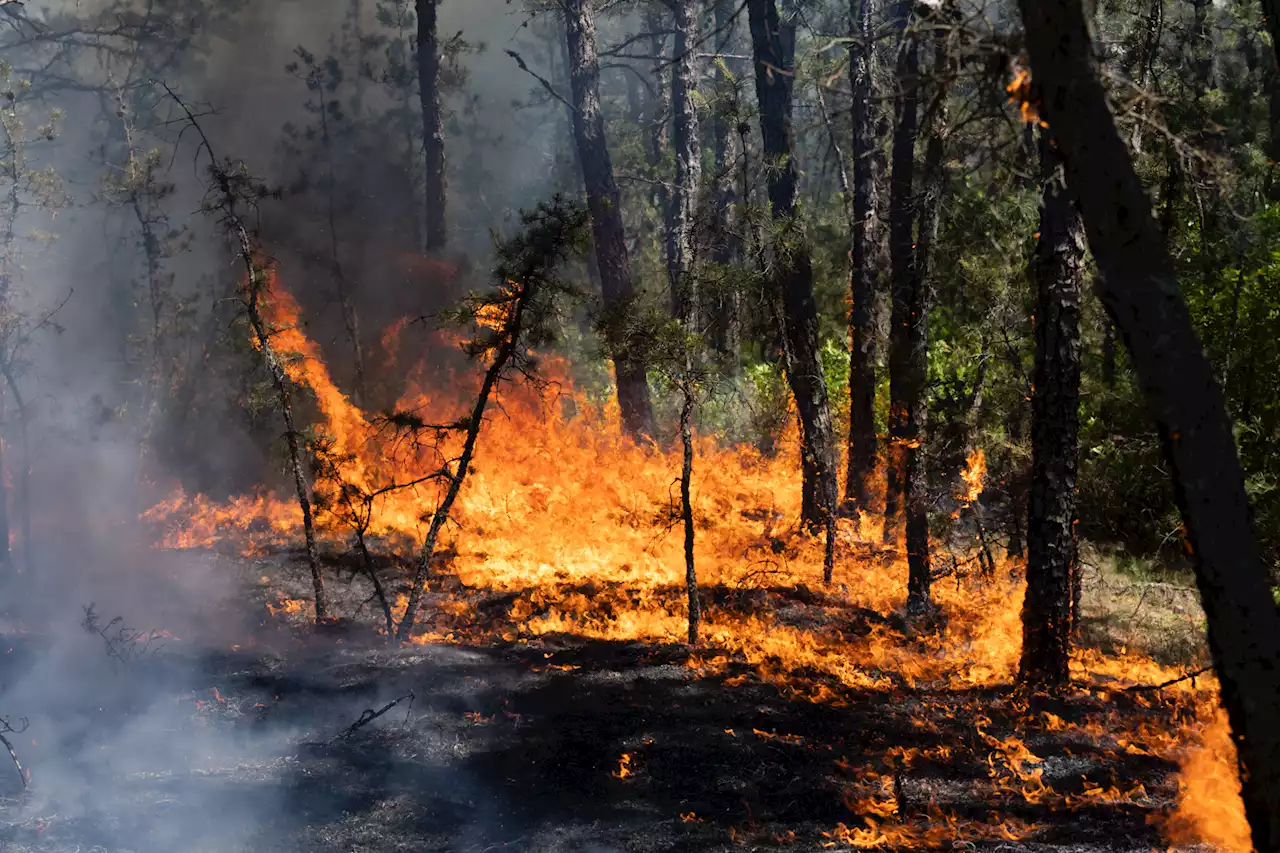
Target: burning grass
563,528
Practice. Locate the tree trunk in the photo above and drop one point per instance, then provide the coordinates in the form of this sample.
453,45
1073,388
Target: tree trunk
605,205
727,321
684,203
1058,273
432,124
902,256
686,511
23,496
1272,76
864,278
774,41
1139,288
1271,16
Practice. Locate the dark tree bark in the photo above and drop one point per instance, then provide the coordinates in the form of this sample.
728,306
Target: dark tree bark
1271,17
605,205
773,41
1272,76
686,511
432,124
727,326
1139,287
864,278
684,137
902,257
1058,273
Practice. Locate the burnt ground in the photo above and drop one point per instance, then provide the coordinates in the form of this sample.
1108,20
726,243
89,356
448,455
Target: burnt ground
519,746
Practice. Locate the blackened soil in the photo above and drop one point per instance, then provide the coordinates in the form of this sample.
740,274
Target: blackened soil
560,744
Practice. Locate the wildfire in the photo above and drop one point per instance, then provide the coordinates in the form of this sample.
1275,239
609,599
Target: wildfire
973,476
288,607
572,522
1020,93
1209,806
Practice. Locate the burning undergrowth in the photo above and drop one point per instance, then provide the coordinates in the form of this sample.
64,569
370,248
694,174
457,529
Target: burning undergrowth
562,547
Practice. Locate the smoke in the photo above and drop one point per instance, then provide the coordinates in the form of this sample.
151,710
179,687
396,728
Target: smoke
110,741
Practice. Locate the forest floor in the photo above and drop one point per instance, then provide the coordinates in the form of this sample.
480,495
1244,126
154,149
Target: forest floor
554,743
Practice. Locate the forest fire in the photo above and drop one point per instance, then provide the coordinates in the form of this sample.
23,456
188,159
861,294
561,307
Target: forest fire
570,522
838,430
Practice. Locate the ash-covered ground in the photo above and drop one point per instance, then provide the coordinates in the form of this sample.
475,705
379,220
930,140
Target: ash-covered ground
555,744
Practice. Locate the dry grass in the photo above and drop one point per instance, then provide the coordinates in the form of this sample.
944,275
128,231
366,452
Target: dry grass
1143,608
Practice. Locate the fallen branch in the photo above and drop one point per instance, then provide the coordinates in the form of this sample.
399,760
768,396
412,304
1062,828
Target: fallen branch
1190,676
7,727
370,715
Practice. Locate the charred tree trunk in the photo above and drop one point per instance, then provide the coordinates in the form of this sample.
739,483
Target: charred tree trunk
684,203
1058,273
773,40
902,256
686,510
1139,288
605,205
915,397
913,233
432,124
864,278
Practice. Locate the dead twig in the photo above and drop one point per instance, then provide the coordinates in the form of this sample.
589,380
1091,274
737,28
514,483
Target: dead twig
7,727
370,715
122,644
1190,676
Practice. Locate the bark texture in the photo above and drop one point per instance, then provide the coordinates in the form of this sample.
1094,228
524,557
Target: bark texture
902,257
773,42
1058,273
1139,287
864,272
726,327
605,206
686,514
432,124
684,137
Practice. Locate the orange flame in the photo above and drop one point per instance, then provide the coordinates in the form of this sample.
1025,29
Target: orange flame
573,522
973,476
1210,809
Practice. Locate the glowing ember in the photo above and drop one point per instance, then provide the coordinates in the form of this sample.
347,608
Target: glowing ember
288,607
624,767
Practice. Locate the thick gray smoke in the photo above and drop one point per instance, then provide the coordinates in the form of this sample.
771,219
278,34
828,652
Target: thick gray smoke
99,724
